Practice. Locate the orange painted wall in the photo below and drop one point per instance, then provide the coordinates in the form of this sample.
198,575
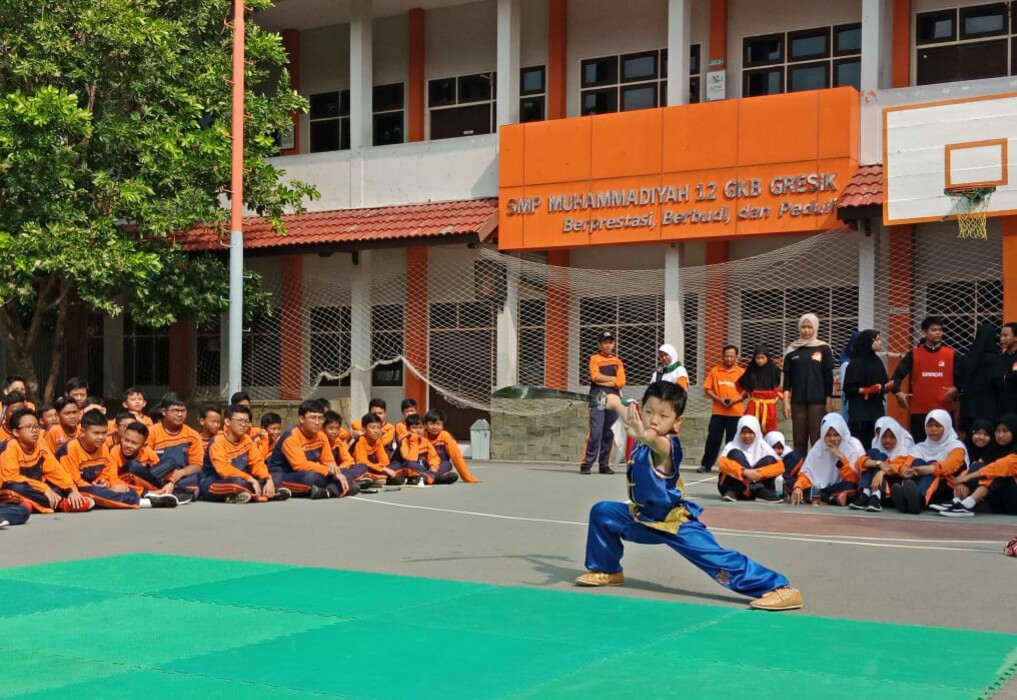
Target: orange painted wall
557,58
417,49
1009,225
416,324
900,296
556,321
718,32
901,68
291,44
697,150
292,327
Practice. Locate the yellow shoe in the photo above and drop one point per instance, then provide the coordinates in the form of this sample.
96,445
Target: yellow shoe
785,598
599,578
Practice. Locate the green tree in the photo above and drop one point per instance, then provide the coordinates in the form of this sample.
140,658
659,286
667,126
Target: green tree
114,136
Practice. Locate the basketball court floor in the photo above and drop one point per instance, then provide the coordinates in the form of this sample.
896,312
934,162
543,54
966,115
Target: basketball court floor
465,592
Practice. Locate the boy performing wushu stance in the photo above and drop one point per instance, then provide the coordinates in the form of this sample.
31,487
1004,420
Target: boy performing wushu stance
657,512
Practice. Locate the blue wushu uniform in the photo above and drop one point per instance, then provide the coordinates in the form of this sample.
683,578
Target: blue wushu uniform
657,513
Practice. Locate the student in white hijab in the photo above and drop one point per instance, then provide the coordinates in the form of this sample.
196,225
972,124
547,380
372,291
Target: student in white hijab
890,451
942,454
830,472
748,465
808,383
670,368
792,460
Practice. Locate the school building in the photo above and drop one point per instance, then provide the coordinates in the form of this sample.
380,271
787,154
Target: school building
501,179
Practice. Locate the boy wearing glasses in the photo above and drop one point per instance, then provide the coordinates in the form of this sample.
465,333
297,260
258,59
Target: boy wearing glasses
234,471
178,447
302,459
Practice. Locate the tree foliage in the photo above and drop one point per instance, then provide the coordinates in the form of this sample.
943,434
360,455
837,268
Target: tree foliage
114,136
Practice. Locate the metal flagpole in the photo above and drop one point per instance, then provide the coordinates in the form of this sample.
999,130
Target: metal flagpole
236,314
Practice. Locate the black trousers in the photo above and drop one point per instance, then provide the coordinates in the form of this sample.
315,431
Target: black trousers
720,431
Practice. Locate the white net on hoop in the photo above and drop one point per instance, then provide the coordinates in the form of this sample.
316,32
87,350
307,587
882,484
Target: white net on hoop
972,206
453,316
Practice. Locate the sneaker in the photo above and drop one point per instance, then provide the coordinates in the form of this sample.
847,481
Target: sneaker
704,470
317,493
599,578
4,524
396,481
378,483
584,470
242,497
765,495
785,598
860,503
184,497
912,499
66,507
282,494
730,496
606,470
897,496
163,500
940,507
875,504
413,481
958,510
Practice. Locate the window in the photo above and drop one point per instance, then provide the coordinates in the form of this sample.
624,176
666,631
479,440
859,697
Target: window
146,355
532,330
262,351
330,346
632,81
330,121
533,91
638,323
388,102
770,316
963,306
208,354
462,106
387,331
806,59
964,44
461,347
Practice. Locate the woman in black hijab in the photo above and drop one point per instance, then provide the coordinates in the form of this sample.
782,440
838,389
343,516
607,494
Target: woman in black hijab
981,378
864,384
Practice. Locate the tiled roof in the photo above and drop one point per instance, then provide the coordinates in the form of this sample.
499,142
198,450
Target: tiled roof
359,226
865,188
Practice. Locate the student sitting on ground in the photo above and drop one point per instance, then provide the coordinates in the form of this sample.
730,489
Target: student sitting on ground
30,470
12,403
828,474
77,389
994,482
882,463
446,446
388,431
13,510
15,382
87,461
135,404
243,398
116,428
68,418
178,446
748,465
210,423
792,460
47,417
93,403
271,429
302,458
233,471
928,478
132,453
371,451
354,473
409,408
417,454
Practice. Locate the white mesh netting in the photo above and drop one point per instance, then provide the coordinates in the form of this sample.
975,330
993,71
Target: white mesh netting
451,339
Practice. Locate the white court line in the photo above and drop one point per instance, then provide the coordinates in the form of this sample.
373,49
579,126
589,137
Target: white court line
702,481
847,539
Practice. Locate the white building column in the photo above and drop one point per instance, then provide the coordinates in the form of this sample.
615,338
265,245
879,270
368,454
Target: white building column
868,232
674,331
508,62
360,335
506,370
361,70
679,37
877,50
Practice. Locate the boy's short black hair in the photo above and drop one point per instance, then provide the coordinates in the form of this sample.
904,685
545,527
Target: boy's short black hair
377,403
93,401
171,398
93,419
15,420
75,383
323,404
270,419
239,396
729,347
1012,325
122,416
131,391
13,398
669,392
43,407
434,416
11,378
414,419
138,427
308,406
331,417
155,413
63,402
236,408
407,403
370,419
210,408
930,321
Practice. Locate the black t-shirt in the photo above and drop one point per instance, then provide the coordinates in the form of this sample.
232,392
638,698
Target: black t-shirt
808,374
1008,400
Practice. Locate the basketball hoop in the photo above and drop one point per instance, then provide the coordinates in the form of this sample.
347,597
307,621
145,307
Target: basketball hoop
972,206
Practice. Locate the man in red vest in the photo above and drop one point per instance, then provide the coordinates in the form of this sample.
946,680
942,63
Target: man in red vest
932,367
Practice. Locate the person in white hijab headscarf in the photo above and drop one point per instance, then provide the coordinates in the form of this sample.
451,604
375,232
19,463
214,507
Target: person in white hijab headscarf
830,470
891,449
808,383
670,368
792,460
940,455
749,465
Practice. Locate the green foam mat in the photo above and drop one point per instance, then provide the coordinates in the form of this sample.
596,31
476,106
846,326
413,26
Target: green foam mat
160,627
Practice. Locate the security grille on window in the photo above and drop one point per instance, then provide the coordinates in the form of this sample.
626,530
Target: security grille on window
262,351
461,106
533,90
638,324
770,316
146,355
329,119
208,353
807,59
963,306
968,43
631,81
330,345
387,332
462,345
388,104
532,330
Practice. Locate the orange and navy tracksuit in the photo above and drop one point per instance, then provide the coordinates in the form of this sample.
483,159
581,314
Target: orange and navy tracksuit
388,436
839,493
126,467
449,454
938,485
1000,477
732,477
31,474
375,456
418,455
229,468
175,451
344,458
13,507
86,468
600,434
299,462
56,436
264,443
